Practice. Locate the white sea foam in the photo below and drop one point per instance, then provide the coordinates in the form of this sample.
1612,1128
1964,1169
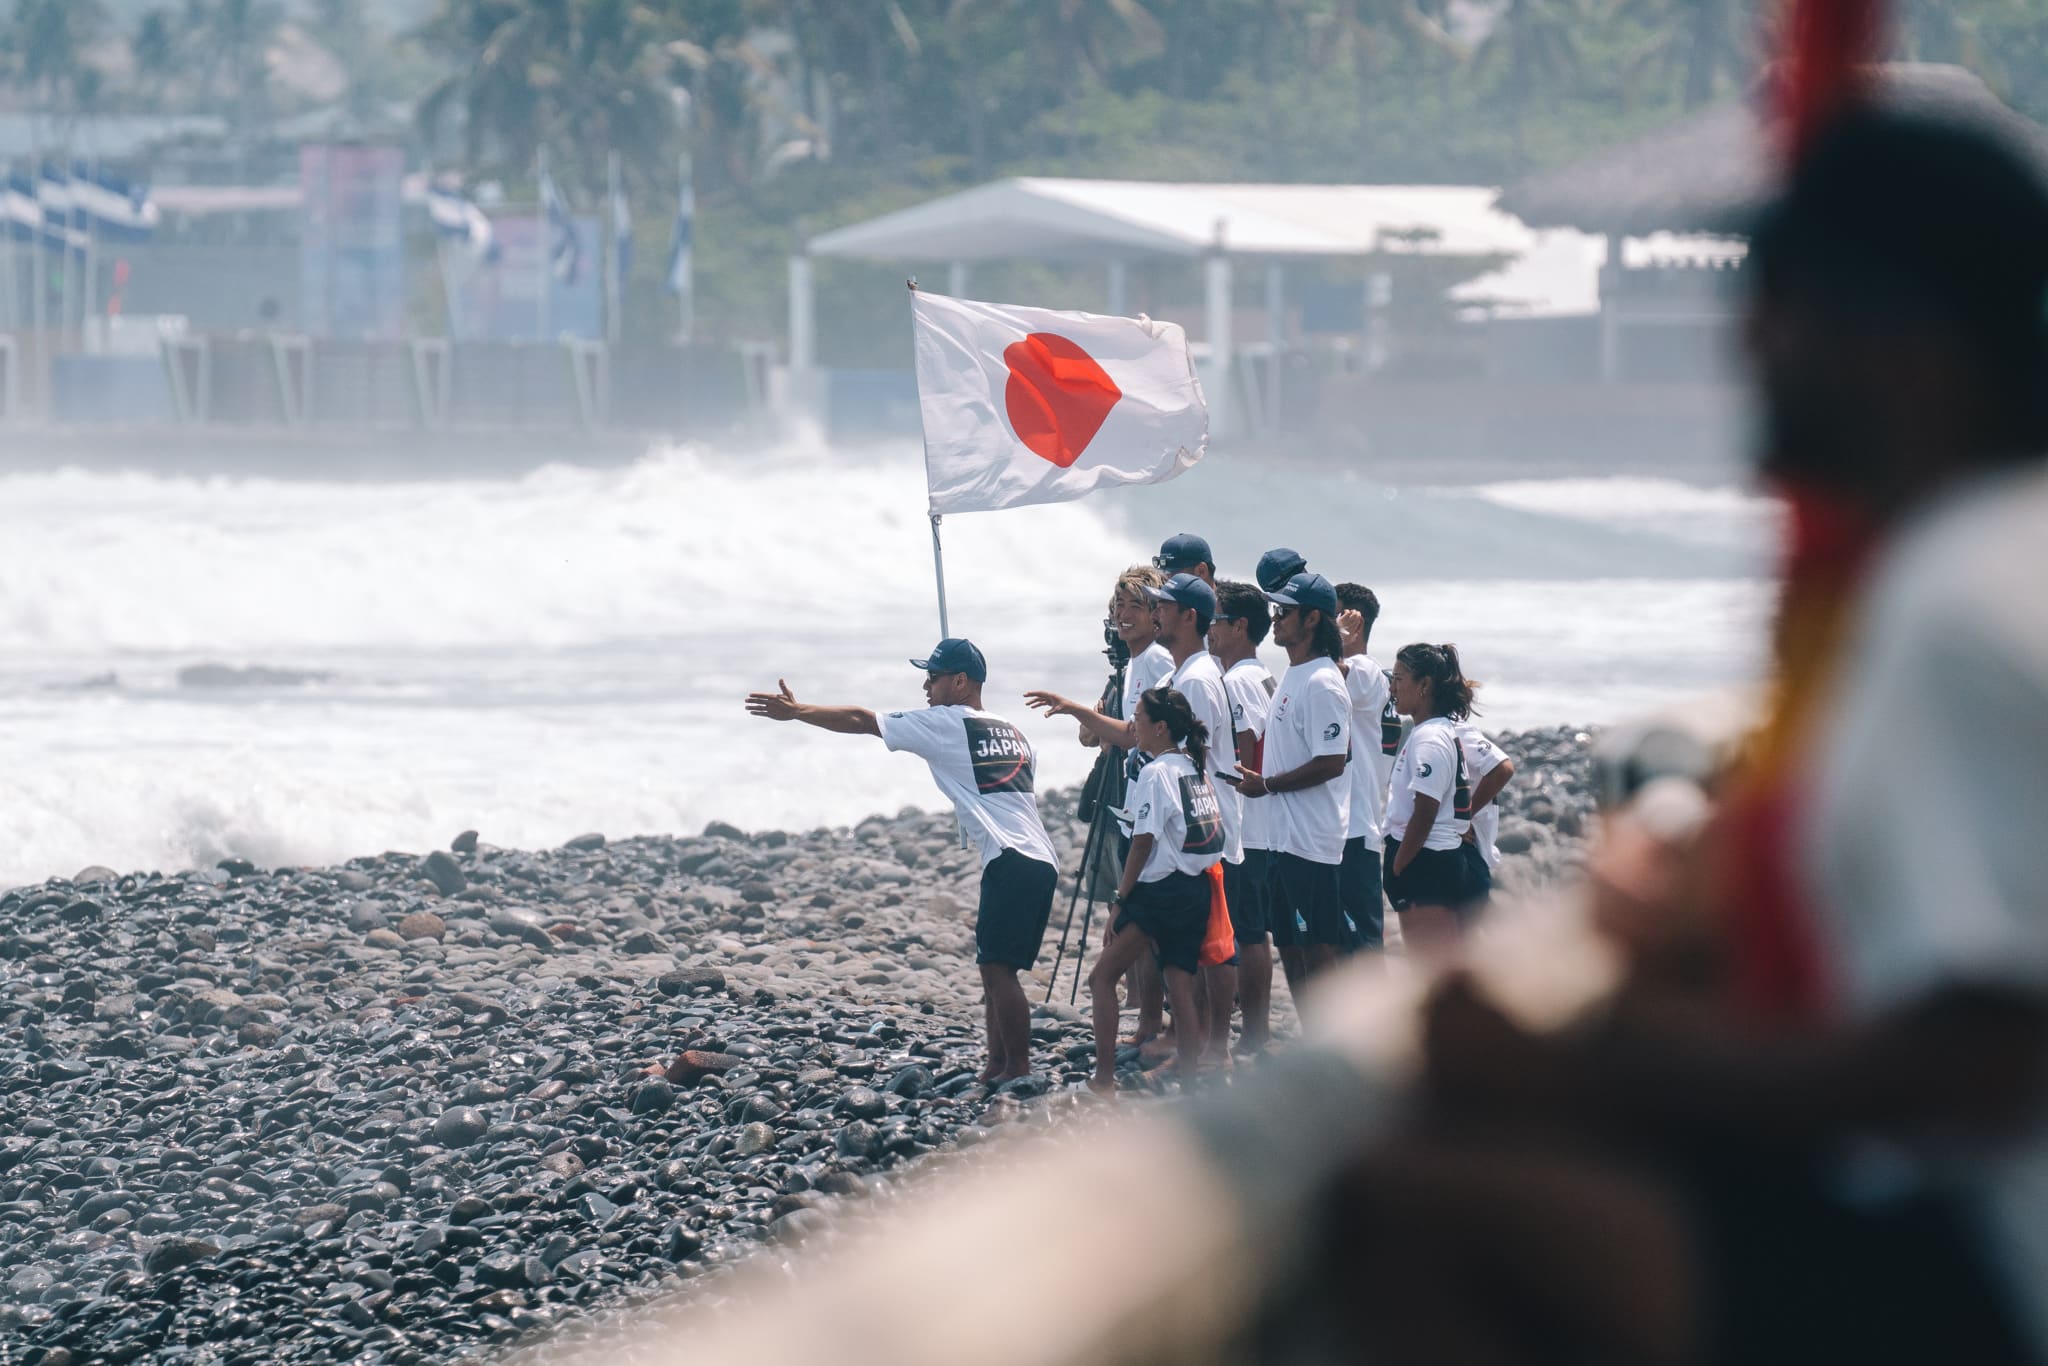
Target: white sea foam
1725,516
567,651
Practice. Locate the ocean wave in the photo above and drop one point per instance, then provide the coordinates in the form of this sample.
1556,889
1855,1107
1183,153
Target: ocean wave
681,543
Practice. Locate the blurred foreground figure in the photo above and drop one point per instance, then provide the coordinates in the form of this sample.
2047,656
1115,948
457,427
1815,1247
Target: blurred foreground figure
1811,1127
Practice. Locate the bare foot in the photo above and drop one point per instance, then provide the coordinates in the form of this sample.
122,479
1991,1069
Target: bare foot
1103,1086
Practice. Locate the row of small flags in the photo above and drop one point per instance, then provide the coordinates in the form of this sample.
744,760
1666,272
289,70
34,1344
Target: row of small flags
65,208
460,223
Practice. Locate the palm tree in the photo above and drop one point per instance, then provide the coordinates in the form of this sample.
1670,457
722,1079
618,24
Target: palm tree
1397,38
241,32
157,53
49,39
1532,47
1700,45
585,75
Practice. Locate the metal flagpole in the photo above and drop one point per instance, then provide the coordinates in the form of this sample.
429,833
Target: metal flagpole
70,294
7,231
939,568
543,243
686,297
612,263
88,287
38,268
938,551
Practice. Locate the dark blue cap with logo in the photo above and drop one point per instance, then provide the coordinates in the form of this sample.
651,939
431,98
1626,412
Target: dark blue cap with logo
1184,551
955,656
1276,567
1188,591
1307,590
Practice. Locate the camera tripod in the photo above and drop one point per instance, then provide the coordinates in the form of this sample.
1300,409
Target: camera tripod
1102,799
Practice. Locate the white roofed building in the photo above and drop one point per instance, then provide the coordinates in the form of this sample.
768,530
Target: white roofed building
1226,227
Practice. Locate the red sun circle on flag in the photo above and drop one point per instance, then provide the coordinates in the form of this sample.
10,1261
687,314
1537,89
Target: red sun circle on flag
1058,396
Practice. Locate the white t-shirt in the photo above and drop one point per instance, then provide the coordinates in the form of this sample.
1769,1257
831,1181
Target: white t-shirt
1482,757
1432,764
1200,679
1177,807
1147,670
1311,718
1367,686
985,766
1250,690
1925,860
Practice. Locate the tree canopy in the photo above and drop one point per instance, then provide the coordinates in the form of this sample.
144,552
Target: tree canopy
800,114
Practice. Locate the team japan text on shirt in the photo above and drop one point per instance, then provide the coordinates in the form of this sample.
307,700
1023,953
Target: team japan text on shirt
985,766
1177,807
1001,756
1200,679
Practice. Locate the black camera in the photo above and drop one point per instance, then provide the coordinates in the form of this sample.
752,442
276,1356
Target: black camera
1118,652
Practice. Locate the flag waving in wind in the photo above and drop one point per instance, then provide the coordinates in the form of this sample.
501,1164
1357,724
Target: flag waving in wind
1026,405
681,240
458,220
565,248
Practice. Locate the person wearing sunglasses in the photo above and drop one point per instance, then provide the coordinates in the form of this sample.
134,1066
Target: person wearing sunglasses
1307,745
987,768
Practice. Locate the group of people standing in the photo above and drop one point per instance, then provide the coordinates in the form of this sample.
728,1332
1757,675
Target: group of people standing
1811,1123
1292,805
1253,814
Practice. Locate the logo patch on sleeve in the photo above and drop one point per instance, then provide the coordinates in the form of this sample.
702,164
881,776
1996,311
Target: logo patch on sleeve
1000,754
1333,730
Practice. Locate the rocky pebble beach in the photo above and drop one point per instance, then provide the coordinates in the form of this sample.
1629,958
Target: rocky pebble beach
410,1107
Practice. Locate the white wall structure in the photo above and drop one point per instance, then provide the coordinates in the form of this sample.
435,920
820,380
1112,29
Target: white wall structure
1549,273
1114,222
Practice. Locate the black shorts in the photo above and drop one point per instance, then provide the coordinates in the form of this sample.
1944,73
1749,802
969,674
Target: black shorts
1434,877
1358,882
1248,887
1175,912
1016,904
1478,882
1311,891
1797,1273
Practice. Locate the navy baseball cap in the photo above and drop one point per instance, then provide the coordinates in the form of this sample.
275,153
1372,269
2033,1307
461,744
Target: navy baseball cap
955,656
1307,590
1182,552
1188,591
1276,567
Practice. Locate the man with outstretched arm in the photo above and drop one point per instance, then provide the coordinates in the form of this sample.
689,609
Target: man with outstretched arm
986,767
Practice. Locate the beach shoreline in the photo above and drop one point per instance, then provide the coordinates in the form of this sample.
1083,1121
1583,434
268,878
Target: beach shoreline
405,1106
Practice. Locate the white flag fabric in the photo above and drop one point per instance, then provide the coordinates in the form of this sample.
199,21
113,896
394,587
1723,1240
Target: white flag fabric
1028,405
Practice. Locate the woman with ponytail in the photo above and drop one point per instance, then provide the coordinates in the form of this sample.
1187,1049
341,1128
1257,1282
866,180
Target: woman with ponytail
1429,807
1162,899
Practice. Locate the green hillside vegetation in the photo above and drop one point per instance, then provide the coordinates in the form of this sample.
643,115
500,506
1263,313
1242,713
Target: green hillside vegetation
803,114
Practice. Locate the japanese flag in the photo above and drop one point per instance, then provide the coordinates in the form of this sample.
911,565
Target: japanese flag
1025,405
